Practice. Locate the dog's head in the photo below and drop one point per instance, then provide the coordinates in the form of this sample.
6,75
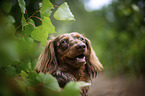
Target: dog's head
69,49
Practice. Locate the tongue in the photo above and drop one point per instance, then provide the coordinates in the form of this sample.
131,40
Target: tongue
81,59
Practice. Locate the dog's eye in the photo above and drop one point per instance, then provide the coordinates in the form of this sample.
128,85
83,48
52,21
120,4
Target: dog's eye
63,42
81,39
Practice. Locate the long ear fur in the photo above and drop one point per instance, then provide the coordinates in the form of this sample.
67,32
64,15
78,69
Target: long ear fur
93,63
47,61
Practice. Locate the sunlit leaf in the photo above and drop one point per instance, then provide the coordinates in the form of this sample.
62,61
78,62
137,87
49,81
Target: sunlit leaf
41,32
47,25
22,5
63,13
46,7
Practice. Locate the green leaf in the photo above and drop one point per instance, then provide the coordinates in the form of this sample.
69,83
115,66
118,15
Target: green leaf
22,5
34,63
11,19
10,71
44,78
32,75
47,25
49,81
24,74
6,6
10,50
64,13
31,79
29,28
22,85
26,47
135,7
23,21
71,89
24,65
29,43
83,84
41,32
46,7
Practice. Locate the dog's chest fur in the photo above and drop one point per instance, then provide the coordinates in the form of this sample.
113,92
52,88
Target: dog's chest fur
79,74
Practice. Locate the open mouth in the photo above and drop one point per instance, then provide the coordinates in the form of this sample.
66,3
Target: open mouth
81,59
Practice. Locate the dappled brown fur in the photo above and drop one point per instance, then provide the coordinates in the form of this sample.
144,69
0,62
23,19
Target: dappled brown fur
69,57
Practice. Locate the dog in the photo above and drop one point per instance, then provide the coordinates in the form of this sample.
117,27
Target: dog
69,57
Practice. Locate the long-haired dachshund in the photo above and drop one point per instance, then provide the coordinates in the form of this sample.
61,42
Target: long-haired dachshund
69,57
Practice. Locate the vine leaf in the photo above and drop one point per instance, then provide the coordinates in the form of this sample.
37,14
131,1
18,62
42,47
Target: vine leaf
49,81
6,6
64,13
22,5
83,84
41,32
23,21
46,7
29,28
71,89
23,74
11,19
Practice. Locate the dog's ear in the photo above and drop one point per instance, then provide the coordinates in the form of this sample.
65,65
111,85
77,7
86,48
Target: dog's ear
47,61
93,63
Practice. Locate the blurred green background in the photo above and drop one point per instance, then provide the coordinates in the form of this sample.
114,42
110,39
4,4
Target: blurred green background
116,31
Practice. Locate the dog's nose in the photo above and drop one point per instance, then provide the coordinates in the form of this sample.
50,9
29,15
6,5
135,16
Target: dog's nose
81,47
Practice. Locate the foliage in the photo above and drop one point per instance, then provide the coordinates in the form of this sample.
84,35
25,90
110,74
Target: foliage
66,13
117,34
21,47
128,39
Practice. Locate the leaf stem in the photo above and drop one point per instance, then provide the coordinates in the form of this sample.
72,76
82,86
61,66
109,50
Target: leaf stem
37,18
20,35
55,6
32,24
29,17
26,12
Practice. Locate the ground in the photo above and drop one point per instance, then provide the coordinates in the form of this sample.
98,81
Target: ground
105,85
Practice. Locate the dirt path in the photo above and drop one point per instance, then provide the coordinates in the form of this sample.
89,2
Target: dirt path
118,86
